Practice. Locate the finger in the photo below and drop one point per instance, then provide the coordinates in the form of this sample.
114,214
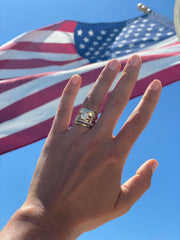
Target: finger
96,96
139,118
136,186
120,95
65,107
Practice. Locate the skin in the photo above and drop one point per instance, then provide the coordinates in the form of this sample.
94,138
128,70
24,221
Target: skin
76,185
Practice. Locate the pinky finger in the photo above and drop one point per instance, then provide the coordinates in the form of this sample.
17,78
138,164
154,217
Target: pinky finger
65,107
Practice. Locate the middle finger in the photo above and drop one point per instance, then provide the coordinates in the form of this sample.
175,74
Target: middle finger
120,95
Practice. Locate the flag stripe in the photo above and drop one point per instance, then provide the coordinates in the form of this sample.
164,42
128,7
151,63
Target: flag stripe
33,63
8,84
58,37
11,73
31,87
15,54
47,110
66,26
41,130
41,47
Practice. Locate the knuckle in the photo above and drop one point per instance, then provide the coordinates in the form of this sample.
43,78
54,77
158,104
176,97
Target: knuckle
149,98
91,102
139,118
94,144
147,183
68,91
117,100
112,158
129,74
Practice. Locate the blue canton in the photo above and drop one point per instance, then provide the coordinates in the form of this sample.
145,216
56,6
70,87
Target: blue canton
103,41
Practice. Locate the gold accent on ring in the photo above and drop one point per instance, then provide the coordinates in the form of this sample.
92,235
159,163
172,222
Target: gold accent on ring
86,118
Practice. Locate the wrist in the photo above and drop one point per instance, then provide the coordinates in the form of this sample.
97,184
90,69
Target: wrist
33,222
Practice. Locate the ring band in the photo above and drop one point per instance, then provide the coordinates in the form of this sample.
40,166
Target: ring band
86,118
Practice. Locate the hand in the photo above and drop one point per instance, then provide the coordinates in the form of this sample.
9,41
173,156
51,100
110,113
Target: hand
76,186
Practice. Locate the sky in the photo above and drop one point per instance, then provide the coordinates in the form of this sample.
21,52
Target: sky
156,215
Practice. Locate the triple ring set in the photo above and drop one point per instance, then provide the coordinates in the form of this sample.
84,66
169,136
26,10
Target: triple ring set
86,118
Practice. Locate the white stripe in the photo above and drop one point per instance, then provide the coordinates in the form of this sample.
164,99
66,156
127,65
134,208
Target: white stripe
13,73
43,36
25,55
47,111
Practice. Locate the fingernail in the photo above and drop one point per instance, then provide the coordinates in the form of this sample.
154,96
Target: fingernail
135,60
75,79
154,166
114,65
156,85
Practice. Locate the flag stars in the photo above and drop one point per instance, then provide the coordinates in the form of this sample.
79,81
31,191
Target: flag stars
142,45
131,45
80,32
112,35
99,38
97,53
87,54
82,46
91,33
95,43
130,31
156,38
86,39
161,29
108,39
103,32
136,34
170,33
115,30
132,26
134,40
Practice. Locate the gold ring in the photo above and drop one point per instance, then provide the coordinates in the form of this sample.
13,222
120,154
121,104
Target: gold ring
86,118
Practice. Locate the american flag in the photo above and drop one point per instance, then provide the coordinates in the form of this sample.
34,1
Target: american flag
35,67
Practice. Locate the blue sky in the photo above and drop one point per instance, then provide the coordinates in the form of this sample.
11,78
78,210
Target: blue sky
156,215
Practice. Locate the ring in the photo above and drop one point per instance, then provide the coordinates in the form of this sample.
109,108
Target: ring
86,118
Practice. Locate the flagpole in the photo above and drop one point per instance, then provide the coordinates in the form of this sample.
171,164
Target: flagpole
143,8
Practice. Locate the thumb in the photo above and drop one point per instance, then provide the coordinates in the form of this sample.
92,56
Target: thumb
137,185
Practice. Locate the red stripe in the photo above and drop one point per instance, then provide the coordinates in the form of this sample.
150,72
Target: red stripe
9,84
171,45
65,26
44,96
33,63
41,47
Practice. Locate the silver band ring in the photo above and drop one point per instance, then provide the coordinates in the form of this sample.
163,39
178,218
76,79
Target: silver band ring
86,118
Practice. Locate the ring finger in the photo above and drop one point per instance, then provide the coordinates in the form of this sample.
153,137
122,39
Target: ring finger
97,94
